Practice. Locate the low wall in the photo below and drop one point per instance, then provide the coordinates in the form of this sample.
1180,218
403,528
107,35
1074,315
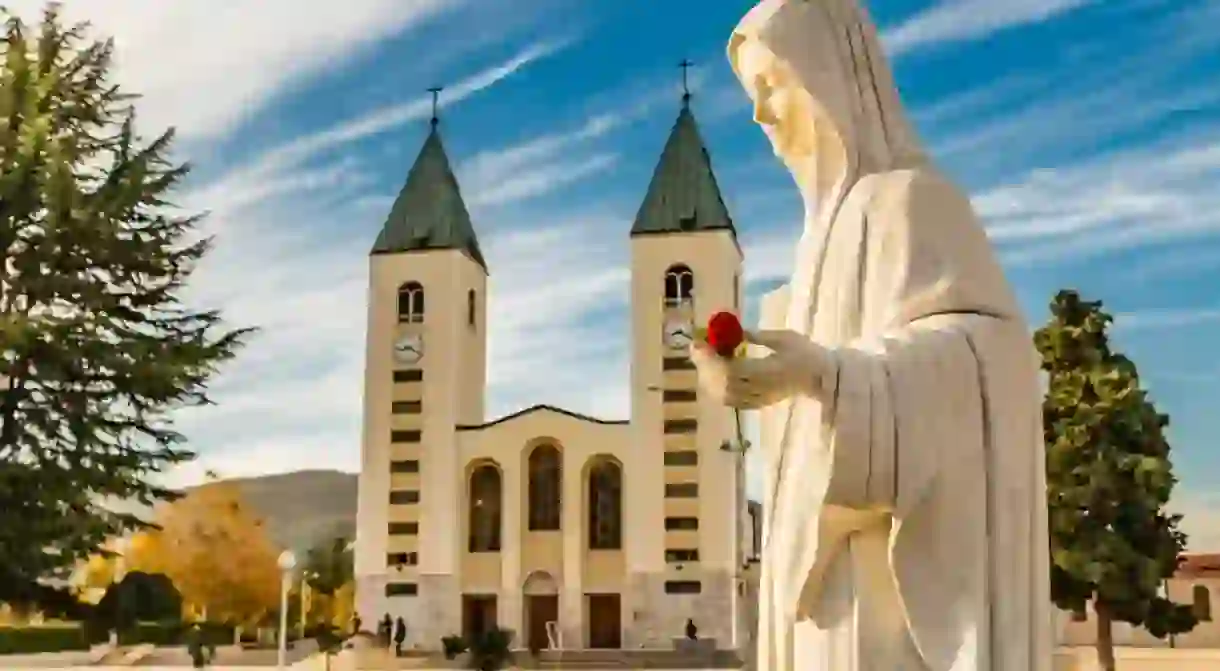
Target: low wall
1141,659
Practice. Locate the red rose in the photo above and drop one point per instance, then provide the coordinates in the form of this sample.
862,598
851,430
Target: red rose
724,333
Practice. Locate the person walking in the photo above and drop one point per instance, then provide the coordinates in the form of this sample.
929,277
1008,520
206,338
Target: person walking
200,651
385,630
400,636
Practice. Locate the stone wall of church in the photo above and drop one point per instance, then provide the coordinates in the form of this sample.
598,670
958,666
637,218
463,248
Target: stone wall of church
440,612
370,600
655,618
372,605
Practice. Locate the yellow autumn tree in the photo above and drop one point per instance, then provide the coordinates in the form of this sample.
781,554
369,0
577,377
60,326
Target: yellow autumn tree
335,609
343,606
217,554
142,553
98,572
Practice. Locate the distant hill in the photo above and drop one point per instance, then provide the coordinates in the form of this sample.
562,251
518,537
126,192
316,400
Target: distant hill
303,508
299,509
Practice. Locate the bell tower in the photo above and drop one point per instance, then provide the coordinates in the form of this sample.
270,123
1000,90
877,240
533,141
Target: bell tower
425,374
685,266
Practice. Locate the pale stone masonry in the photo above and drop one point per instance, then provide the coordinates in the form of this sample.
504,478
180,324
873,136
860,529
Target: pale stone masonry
568,529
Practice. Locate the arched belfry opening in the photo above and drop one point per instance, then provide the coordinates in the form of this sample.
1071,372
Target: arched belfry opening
679,285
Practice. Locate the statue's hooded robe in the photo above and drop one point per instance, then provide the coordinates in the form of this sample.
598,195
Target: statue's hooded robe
905,503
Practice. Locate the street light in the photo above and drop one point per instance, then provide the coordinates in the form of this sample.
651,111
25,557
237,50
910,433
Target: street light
287,562
306,598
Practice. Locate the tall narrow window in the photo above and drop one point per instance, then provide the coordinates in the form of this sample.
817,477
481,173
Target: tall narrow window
606,506
484,509
411,303
545,494
679,285
470,308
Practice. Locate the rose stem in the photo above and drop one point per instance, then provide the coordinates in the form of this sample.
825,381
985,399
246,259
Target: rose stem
741,440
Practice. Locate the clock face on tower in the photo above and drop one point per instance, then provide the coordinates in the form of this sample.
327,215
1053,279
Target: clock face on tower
409,349
678,333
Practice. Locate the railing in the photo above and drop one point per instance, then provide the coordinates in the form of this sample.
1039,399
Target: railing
554,637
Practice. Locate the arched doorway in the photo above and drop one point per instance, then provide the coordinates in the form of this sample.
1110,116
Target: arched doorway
541,606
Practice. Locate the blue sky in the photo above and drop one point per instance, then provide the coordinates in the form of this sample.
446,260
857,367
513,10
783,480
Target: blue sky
1088,134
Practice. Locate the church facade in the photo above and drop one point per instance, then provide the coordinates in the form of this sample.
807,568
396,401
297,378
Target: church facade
572,531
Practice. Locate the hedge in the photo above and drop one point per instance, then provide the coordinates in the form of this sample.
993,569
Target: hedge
49,638
57,638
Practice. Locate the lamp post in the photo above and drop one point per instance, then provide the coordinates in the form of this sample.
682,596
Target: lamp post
306,599
287,562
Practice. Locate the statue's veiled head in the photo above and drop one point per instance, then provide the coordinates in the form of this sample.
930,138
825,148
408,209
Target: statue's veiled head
822,90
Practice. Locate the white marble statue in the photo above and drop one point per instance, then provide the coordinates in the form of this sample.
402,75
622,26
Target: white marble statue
904,507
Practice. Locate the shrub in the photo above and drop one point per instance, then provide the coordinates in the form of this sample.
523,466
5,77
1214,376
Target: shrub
175,633
492,651
329,640
453,646
31,640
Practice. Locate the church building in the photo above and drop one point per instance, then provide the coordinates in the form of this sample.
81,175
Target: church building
573,531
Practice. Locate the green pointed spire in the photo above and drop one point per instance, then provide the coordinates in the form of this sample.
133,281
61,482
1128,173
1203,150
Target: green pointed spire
429,212
683,195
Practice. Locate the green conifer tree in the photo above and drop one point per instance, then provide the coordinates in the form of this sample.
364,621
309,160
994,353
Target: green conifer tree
1109,477
97,348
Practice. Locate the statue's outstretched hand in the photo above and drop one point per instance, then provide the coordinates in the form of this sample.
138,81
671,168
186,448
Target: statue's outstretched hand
795,366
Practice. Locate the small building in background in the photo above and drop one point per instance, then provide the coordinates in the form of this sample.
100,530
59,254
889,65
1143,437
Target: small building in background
1197,583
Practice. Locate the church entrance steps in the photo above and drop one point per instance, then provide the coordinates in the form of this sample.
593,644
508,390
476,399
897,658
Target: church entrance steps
582,660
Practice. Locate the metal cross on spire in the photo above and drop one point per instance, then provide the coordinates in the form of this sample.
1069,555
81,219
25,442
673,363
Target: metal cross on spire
436,99
686,66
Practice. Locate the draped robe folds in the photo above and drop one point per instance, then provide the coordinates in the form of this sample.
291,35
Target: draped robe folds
905,514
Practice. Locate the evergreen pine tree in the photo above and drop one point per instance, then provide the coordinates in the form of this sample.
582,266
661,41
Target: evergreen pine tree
97,348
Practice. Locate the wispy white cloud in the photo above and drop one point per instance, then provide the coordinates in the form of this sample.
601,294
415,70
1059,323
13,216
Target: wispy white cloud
1091,202
249,180
1040,117
1143,197
540,164
964,20
206,67
1176,262
1164,319
544,180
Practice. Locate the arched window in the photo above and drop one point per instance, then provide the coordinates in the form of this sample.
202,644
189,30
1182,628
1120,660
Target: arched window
1201,603
679,285
411,303
606,506
470,308
485,510
546,478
